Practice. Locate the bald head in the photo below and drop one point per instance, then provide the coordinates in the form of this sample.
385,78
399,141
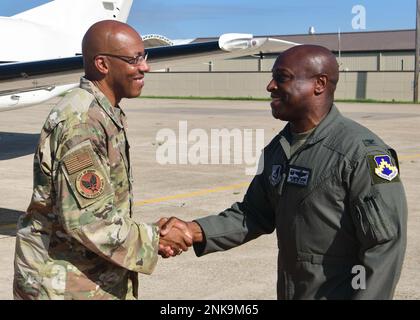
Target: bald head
114,60
310,60
107,36
303,84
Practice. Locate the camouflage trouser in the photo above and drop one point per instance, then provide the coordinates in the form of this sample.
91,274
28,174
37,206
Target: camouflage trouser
26,288
39,277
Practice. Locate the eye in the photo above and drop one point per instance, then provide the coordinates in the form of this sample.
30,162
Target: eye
281,78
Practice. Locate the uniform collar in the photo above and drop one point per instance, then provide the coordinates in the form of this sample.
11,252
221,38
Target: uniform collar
321,131
104,102
325,126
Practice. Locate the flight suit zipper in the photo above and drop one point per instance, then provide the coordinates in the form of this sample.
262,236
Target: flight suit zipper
285,168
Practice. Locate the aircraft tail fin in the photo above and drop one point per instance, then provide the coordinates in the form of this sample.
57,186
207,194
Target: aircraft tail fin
76,16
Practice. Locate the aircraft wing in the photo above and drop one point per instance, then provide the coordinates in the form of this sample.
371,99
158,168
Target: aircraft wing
230,45
28,83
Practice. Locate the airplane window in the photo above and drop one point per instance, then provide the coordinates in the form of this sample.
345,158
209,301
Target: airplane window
108,5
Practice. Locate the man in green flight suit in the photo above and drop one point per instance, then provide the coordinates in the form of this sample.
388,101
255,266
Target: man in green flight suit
77,239
330,188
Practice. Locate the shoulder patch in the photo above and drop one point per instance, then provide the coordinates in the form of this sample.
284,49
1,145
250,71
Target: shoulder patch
78,161
86,175
90,183
383,169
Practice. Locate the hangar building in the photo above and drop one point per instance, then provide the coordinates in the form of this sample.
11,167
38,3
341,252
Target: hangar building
373,65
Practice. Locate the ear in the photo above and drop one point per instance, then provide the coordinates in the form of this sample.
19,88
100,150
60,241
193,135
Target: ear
101,65
321,84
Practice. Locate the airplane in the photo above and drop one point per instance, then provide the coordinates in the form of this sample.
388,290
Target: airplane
55,29
47,62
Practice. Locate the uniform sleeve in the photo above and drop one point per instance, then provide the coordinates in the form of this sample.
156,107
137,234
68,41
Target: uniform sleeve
239,224
88,213
379,211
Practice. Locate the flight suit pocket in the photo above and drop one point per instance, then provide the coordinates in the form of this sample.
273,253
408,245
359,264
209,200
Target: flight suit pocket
372,222
326,185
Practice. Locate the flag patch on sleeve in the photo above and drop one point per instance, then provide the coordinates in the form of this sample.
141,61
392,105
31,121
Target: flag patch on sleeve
78,162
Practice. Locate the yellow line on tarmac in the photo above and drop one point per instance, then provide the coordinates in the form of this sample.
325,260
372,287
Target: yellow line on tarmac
225,188
409,156
196,193
192,194
7,226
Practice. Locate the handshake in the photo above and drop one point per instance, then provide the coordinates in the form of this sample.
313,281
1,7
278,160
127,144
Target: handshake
177,236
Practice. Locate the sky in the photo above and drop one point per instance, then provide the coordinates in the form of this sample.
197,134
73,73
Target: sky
188,19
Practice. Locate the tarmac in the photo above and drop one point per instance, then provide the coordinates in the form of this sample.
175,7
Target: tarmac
193,190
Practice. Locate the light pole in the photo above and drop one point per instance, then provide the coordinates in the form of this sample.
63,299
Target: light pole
339,49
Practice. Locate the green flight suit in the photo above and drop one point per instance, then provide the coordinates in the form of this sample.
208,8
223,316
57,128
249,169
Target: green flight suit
339,210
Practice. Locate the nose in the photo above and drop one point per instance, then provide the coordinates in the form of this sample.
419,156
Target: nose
272,86
144,66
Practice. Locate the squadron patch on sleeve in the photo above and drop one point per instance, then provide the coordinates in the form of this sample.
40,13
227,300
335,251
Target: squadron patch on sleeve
87,177
90,183
383,167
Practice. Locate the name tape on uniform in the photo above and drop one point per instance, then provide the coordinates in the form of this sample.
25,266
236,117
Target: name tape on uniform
299,176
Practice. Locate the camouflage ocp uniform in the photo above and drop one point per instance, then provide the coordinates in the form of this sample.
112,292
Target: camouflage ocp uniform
77,239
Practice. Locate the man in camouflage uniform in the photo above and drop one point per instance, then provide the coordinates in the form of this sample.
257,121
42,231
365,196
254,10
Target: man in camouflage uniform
77,239
330,188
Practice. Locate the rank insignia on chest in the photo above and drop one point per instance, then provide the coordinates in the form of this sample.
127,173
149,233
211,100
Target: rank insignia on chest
276,172
384,167
369,142
298,176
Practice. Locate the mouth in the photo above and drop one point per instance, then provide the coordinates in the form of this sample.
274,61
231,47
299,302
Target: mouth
276,102
275,99
139,81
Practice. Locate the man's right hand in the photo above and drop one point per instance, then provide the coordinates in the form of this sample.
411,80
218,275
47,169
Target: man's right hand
177,235
192,229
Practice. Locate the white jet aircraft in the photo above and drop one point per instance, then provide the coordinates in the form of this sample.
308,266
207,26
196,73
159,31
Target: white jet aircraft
55,29
40,56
